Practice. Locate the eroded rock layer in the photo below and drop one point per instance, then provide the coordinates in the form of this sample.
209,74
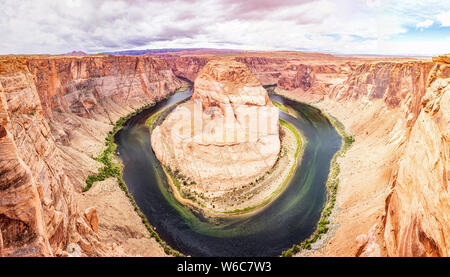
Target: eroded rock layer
417,219
398,113
38,216
54,115
227,135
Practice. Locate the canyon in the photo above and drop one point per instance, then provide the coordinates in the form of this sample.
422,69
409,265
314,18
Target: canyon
55,112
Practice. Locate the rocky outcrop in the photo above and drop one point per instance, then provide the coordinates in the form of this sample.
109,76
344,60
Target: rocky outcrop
417,221
312,82
394,82
83,96
234,136
55,112
397,112
37,211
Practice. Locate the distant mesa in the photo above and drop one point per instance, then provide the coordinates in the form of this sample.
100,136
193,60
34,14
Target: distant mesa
75,53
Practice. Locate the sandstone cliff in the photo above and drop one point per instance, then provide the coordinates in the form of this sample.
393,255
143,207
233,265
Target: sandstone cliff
394,178
417,221
313,81
38,216
83,96
54,114
234,137
268,67
398,166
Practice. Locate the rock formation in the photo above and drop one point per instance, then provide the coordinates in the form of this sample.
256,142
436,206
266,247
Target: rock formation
397,112
38,216
234,136
55,112
417,221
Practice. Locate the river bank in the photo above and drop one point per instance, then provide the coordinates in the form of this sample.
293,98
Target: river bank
247,199
116,205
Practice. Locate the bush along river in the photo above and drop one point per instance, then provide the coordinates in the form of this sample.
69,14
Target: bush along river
289,219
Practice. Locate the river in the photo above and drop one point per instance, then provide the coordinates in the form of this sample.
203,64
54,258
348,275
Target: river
289,219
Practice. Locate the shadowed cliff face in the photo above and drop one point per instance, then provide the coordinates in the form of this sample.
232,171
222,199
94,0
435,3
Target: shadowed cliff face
50,108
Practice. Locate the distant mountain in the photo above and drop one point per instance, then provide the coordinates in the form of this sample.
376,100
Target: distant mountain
159,51
75,53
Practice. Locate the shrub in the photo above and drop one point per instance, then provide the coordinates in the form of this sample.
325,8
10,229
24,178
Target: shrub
110,169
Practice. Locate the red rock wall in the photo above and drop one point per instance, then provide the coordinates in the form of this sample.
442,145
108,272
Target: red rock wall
266,69
39,98
391,81
36,207
78,84
417,221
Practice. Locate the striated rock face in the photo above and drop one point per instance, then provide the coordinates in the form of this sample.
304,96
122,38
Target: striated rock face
398,113
267,67
417,220
55,112
187,67
83,96
313,82
37,211
85,86
234,136
394,82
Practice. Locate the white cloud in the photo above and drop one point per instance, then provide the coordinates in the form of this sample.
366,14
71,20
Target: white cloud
338,26
425,24
444,18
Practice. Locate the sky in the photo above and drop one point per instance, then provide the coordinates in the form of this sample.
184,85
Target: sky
379,27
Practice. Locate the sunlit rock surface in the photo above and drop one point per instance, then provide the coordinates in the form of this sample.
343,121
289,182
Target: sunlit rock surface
227,135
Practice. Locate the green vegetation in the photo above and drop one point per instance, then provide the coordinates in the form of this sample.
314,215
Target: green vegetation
149,122
332,186
114,170
184,87
280,106
110,169
175,177
348,140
